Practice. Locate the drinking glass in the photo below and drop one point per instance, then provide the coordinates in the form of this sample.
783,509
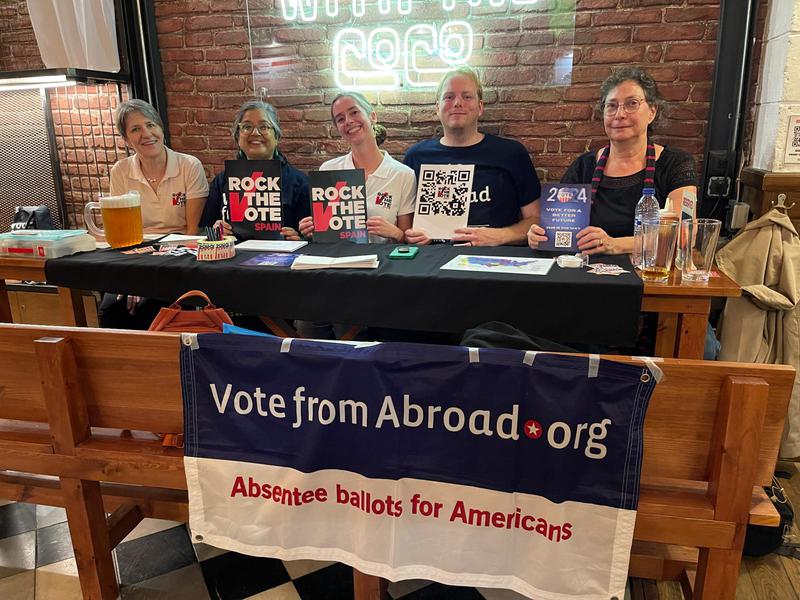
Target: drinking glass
122,219
698,242
658,248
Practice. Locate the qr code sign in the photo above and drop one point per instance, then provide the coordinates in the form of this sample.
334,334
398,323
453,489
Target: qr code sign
563,239
444,192
796,137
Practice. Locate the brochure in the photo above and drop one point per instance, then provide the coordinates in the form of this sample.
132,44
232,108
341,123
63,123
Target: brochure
565,210
339,206
252,203
270,259
271,245
306,261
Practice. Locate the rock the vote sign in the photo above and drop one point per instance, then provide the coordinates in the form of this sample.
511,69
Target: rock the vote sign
253,199
338,205
493,468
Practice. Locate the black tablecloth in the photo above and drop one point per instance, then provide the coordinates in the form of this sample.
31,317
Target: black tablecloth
568,305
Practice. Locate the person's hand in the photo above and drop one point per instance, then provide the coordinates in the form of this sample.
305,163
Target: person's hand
306,226
382,227
226,227
417,237
133,303
536,235
290,234
479,236
594,240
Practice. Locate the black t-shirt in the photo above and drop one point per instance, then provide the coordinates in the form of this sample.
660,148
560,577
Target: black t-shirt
614,204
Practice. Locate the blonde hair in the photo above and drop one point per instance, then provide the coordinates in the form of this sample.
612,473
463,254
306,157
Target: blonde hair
466,71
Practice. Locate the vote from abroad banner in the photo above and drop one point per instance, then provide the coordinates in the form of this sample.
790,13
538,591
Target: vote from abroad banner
491,468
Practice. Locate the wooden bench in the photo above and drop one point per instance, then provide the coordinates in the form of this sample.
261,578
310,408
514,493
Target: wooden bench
712,433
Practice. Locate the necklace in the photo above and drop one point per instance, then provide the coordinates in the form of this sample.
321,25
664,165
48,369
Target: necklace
152,180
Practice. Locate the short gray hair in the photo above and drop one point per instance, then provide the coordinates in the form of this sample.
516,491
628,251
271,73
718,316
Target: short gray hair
135,105
269,110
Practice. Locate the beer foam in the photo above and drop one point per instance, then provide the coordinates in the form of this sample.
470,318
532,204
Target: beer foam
129,200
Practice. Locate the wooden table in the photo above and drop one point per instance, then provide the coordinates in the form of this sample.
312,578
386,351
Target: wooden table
683,311
70,302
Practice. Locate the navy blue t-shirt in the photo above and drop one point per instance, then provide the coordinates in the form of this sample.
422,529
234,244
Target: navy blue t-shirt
504,179
294,197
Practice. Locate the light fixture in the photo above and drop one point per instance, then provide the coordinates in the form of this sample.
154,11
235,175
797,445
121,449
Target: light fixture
10,84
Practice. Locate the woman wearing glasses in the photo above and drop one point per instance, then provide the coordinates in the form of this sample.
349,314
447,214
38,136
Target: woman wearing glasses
630,162
256,131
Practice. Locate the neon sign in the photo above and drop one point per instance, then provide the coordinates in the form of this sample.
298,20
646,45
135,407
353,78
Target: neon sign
388,57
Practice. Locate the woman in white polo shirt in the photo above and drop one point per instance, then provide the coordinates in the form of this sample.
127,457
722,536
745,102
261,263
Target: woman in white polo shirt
172,185
391,185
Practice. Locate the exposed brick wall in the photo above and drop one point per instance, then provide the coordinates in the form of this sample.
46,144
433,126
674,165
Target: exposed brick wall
206,64
206,61
18,50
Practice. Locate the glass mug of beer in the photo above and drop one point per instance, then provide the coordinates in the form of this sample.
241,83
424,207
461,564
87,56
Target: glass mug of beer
122,219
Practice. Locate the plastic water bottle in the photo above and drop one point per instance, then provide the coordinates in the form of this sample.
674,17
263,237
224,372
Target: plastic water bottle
646,212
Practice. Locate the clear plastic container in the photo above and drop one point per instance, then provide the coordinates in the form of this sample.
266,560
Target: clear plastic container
45,243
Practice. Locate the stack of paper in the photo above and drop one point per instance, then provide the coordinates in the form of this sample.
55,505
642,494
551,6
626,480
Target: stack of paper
304,261
271,245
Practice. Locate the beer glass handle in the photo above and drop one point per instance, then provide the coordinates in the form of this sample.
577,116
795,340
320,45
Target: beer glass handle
88,219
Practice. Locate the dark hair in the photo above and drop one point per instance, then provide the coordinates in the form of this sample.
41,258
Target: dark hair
377,129
135,105
272,118
638,76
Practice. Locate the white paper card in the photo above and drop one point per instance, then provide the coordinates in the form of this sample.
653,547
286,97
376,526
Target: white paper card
500,264
443,198
271,245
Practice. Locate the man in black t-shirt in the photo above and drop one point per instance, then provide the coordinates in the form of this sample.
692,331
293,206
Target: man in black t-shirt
505,186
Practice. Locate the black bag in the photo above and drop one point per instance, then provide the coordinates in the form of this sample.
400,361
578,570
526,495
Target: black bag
32,217
496,334
761,540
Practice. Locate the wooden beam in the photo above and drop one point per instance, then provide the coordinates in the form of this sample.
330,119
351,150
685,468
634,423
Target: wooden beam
122,521
369,587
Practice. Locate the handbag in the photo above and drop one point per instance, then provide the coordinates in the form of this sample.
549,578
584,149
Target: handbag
208,319
32,217
761,540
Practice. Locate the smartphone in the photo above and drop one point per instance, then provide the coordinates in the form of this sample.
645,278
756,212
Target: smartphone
402,252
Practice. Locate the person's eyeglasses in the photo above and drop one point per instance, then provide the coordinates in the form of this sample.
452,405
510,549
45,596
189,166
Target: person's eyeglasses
247,129
630,106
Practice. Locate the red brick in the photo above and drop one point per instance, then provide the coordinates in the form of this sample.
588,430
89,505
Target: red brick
177,115
553,146
669,33
188,143
496,25
306,34
494,59
518,76
424,115
663,74
220,85
554,160
675,91
302,130
224,101
688,111
201,39
299,147
507,114
290,114
239,68
170,41
503,40
169,25
208,22
231,38
595,4
588,128
392,98
626,17
539,38
544,56
393,117
538,95
226,54
574,145
653,53
190,101
617,55
563,112
227,5
532,145
594,74
184,7
179,85
201,69
535,129
701,93
184,55
687,14
211,116
696,72
690,51
682,129
585,93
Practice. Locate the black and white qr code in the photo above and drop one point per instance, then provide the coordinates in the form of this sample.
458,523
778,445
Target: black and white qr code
796,137
444,192
563,239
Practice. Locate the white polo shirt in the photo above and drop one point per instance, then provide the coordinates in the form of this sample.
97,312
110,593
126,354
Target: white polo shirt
391,190
163,211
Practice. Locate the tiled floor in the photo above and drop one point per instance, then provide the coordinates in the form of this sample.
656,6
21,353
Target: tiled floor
158,561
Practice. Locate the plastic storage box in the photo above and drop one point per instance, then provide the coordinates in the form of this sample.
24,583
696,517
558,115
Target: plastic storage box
45,243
